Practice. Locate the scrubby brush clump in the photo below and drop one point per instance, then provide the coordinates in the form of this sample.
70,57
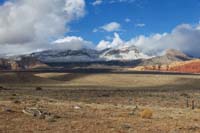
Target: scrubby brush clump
146,113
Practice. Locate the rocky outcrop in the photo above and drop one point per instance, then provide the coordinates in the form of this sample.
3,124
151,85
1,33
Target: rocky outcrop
170,56
30,63
192,66
6,64
177,54
22,64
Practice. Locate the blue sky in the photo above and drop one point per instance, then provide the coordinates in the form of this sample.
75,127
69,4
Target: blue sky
159,16
151,25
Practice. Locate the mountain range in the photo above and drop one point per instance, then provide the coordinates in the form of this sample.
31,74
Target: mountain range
89,55
128,56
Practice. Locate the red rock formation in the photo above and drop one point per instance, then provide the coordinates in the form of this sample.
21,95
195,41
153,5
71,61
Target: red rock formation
192,66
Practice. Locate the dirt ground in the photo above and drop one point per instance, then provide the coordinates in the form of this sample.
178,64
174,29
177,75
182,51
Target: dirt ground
88,107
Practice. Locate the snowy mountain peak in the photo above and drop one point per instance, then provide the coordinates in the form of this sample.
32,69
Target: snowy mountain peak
123,53
82,55
90,55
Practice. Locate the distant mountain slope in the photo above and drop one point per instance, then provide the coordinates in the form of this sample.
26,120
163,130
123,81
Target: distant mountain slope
89,55
177,54
192,66
23,63
124,53
83,55
171,55
128,56
6,64
173,60
30,63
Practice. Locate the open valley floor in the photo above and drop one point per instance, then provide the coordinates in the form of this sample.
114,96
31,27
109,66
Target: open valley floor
61,102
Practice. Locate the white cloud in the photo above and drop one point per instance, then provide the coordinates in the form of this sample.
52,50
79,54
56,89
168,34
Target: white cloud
97,2
120,1
72,42
140,25
31,24
95,30
127,20
103,45
184,37
113,26
74,8
116,42
198,26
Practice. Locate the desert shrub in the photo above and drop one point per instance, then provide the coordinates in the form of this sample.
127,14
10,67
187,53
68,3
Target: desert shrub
16,102
14,94
38,88
146,114
2,88
185,95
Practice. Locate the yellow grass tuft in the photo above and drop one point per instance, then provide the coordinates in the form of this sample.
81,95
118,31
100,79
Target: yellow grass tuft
146,113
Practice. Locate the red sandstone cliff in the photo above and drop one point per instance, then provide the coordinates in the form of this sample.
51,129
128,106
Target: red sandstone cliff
192,66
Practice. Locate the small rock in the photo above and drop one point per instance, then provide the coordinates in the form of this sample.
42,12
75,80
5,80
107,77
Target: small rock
36,112
50,118
56,117
8,110
126,126
77,107
134,111
41,116
32,112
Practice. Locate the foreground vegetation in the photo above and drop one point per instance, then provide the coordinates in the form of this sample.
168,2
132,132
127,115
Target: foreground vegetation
93,103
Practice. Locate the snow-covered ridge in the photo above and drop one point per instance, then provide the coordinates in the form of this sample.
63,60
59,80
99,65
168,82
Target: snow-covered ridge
124,53
89,55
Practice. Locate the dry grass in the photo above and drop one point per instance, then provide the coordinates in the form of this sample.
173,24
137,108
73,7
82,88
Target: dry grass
50,75
99,80
121,80
95,118
108,109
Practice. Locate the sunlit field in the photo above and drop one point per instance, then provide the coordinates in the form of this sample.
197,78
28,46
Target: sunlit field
91,102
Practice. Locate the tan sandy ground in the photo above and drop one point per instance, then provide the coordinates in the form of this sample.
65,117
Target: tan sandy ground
100,103
97,118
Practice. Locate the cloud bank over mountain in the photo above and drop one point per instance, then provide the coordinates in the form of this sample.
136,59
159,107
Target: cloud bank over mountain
30,25
184,37
34,24
72,43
